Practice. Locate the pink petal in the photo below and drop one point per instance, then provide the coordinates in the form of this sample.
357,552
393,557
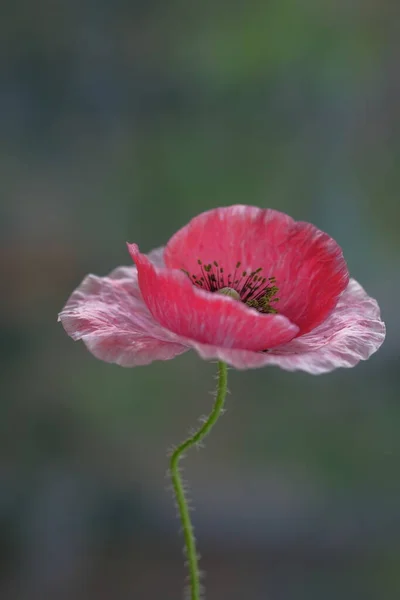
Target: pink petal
352,332
308,264
109,315
204,317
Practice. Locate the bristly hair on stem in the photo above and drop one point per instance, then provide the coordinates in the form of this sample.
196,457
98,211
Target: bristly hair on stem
179,487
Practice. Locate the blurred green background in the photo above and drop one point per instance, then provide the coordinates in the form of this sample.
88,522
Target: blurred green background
120,121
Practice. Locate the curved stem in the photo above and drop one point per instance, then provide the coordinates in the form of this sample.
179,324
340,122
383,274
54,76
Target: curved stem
183,508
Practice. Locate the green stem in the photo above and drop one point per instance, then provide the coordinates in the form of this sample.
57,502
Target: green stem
183,508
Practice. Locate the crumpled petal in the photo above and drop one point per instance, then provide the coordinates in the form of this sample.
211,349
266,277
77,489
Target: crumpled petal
205,317
308,264
352,332
109,315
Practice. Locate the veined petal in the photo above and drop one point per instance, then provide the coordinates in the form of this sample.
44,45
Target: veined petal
308,264
204,317
353,332
109,315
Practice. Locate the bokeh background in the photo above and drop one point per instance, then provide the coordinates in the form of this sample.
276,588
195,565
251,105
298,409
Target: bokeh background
120,121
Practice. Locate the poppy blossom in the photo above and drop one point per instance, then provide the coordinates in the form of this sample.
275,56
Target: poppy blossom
244,285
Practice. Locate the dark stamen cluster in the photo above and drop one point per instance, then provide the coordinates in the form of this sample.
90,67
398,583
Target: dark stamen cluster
254,290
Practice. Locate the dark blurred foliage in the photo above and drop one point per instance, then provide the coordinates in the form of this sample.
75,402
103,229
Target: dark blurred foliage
120,121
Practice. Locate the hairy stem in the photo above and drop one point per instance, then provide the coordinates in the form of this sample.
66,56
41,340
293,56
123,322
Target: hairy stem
181,500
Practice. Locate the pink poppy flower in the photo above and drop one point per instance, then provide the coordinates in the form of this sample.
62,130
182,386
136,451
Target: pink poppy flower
240,284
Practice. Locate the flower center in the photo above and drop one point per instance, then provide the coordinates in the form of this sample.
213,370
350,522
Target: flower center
227,291
251,288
